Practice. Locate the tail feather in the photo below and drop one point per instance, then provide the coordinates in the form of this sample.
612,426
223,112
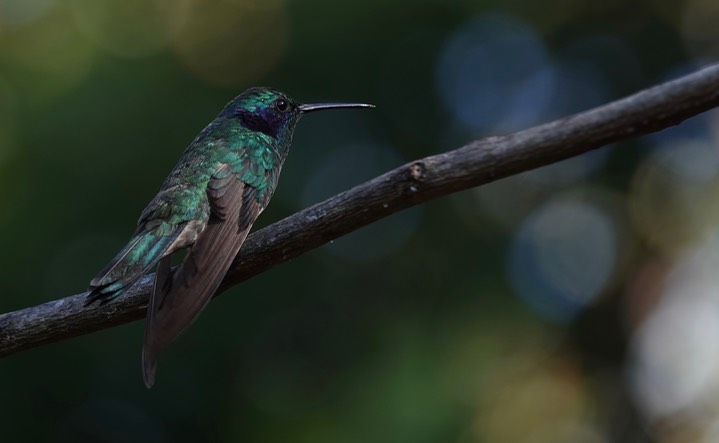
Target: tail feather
131,263
163,283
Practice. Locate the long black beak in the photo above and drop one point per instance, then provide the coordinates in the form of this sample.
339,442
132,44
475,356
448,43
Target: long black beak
320,106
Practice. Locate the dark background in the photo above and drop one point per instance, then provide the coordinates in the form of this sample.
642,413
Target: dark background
575,303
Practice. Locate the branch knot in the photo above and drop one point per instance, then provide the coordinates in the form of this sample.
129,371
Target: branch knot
416,171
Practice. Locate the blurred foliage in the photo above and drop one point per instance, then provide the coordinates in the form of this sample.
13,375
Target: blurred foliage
573,303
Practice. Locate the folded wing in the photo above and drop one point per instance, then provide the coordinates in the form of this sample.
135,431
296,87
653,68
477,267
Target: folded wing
179,298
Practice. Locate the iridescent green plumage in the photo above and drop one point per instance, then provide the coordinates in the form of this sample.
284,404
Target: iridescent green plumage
222,182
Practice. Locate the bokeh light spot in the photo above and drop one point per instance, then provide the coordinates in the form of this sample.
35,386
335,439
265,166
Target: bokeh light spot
563,256
674,197
675,359
17,13
232,43
46,57
700,30
130,28
494,74
532,398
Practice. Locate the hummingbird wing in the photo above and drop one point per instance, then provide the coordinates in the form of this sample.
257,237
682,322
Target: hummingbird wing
179,298
161,230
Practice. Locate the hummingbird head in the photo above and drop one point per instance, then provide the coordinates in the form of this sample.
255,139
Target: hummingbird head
273,113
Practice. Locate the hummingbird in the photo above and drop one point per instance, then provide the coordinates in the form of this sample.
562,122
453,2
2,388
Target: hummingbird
221,184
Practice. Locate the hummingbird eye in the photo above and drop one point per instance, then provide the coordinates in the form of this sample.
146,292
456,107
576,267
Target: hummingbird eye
282,105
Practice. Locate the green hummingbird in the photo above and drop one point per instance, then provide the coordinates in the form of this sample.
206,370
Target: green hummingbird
219,187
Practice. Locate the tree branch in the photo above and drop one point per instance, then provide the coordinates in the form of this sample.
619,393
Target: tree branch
479,162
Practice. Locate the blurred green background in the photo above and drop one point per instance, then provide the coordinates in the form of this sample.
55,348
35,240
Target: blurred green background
575,303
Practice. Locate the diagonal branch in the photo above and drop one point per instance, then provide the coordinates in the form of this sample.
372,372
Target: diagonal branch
479,162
